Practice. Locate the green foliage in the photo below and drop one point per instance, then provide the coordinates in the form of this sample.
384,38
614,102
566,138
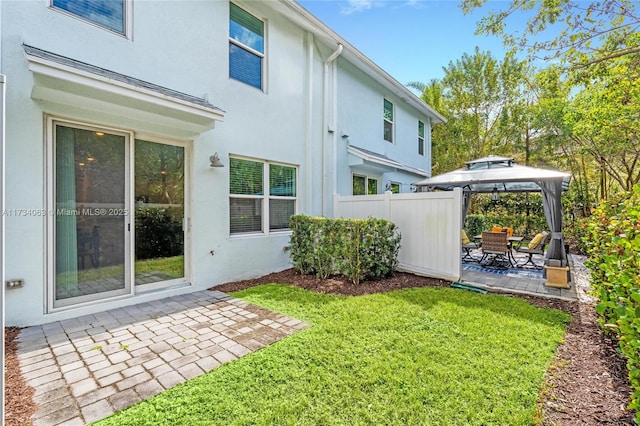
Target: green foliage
158,233
475,224
360,249
613,246
425,356
521,212
586,34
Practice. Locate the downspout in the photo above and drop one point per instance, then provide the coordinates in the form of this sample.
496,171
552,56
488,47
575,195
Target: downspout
334,137
325,123
2,233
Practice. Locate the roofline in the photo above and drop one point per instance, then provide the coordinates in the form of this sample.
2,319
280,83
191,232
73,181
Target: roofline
361,61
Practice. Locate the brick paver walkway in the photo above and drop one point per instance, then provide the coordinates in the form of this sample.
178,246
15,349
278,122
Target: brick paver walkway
86,368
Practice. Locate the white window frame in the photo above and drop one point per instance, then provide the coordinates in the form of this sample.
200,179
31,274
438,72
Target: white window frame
128,19
421,139
261,55
391,122
367,178
266,198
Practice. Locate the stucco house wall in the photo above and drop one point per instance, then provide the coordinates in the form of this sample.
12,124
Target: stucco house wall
184,47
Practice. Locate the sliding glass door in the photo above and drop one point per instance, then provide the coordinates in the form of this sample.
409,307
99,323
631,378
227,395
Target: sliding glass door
90,217
114,225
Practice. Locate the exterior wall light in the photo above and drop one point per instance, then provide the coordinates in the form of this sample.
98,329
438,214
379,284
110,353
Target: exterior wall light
215,161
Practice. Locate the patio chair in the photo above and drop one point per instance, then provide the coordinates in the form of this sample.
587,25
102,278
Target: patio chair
496,246
536,246
467,246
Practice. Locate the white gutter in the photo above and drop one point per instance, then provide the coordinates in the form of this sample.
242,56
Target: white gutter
325,121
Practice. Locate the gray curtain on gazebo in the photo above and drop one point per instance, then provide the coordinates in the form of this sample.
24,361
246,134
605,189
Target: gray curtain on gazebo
466,201
552,203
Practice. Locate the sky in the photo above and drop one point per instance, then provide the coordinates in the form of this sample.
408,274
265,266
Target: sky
412,40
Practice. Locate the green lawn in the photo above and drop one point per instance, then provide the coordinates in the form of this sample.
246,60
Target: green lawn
427,356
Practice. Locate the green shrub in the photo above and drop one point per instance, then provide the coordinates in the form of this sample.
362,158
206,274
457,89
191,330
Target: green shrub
475,224
360,249
613,247
157,233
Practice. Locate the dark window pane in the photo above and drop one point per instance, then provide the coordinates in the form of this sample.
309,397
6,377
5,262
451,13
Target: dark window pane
282,181
106,13
358,185
245,66
372,186
421,146
280,211
395,188
388,131
245,214
245,177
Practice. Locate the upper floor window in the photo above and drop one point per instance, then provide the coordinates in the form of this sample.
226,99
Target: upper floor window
388,121
263,196
110,14
421,147
246,47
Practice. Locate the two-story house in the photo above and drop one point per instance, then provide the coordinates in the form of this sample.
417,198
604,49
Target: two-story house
158,148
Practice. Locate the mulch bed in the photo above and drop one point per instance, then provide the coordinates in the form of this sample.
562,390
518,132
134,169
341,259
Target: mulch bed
586,383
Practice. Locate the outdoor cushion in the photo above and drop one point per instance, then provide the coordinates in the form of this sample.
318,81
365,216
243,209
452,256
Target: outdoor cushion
536,241
465,238
496,228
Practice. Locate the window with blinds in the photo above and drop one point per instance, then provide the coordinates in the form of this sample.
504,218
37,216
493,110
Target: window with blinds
110,14
255,208
246,47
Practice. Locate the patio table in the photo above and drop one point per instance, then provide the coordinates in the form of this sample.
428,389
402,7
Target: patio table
511,240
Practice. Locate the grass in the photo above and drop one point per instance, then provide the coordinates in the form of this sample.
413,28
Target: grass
172,266
427,356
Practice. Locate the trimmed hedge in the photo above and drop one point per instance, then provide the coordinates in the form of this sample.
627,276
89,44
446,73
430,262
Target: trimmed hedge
612,241
360,249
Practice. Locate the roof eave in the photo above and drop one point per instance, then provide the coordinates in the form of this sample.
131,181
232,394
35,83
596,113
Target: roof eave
308,21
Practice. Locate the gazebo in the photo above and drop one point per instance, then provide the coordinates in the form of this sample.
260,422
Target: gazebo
494,174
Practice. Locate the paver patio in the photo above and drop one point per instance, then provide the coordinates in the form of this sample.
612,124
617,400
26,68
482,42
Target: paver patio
86,368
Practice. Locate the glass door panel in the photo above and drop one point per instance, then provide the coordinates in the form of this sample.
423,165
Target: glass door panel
91,215
159,213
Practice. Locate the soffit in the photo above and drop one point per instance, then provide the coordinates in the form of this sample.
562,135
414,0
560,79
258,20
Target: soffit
76,85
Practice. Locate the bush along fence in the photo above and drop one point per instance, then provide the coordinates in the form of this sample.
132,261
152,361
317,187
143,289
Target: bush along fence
359,249
613,247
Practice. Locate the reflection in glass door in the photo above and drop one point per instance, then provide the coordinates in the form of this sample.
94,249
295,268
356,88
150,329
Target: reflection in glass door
159,213
91,247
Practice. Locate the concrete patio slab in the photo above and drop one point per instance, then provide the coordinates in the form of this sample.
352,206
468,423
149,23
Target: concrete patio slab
87,368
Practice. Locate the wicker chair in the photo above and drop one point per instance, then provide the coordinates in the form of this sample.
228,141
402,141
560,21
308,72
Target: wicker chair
496,246
539,249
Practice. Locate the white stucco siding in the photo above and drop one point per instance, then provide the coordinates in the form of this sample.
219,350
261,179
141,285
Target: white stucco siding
360,115
182,46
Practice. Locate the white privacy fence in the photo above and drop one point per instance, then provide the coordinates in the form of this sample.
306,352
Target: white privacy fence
429,223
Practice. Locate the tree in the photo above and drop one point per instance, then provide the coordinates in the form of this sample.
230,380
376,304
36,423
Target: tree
479,94
586,34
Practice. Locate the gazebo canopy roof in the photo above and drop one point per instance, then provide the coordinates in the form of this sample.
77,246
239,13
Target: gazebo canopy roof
502,173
